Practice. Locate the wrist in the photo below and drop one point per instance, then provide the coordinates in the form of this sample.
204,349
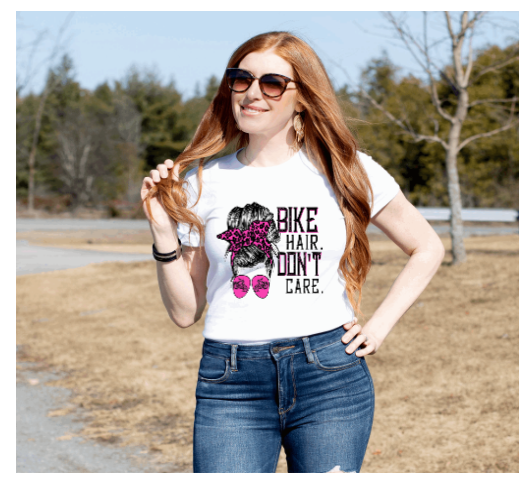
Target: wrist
165,240
375,330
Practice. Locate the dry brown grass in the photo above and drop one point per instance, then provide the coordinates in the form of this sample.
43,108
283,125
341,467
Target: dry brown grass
446,378
127,241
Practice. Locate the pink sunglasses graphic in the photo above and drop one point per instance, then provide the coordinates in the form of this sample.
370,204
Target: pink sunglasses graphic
242,282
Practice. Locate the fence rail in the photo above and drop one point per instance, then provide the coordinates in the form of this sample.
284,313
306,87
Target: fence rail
471,214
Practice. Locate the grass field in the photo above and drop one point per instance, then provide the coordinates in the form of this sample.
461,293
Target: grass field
446,378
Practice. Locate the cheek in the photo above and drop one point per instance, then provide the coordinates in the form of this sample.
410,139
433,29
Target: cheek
285,110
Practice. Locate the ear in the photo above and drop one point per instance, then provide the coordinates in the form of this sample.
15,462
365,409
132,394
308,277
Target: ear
299,107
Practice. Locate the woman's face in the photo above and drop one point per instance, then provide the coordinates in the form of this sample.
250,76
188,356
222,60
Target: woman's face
278,112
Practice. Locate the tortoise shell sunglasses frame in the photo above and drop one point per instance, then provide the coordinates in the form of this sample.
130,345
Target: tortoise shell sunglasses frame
250,77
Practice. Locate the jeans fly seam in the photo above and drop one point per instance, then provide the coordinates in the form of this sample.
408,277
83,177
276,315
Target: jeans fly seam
294,388
280,393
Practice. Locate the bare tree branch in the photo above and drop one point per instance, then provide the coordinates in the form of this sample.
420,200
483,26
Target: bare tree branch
406,38
417,137
469,67
483,101
459,85
47,60
493,67
487,134
509,124
49,86
457,41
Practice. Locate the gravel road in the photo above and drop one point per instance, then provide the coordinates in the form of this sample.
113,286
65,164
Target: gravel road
47,444
43,443
36,259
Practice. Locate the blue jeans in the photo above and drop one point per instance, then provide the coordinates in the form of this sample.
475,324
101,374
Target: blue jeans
306,394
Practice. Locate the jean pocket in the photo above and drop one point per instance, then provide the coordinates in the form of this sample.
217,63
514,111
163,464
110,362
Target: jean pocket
213,369
333,357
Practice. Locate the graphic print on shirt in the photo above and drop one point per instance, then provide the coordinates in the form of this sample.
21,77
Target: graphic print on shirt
253,234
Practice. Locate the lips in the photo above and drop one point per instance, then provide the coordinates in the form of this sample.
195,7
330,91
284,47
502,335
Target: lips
253,107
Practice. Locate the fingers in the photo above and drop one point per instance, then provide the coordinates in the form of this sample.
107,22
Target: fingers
355,330
370,342
369,347
147,184
355,344
162,171
349,324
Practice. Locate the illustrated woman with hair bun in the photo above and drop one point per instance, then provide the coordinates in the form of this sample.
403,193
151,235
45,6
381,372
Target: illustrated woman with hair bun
272,237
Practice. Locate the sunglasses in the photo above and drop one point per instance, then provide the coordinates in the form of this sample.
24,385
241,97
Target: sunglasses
242,283
272,85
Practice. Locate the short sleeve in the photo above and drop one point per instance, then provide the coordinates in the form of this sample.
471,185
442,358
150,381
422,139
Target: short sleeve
383,184
193,239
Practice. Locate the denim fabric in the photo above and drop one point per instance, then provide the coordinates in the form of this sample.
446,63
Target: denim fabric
306,394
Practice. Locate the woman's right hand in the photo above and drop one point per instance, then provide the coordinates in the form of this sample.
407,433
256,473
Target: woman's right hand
162,218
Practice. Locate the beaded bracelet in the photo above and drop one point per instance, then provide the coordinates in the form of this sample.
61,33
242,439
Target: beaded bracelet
166,257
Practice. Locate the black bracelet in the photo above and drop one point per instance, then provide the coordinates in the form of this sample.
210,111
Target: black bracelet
156,252
172,259
166,257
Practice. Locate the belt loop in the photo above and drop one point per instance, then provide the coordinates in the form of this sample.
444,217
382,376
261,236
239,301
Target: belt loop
309,354
234,357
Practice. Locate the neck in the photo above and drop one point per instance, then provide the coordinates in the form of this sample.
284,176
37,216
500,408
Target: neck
264,152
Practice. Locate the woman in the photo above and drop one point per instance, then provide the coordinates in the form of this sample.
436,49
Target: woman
285,250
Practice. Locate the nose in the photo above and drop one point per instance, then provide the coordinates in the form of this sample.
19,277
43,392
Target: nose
254,91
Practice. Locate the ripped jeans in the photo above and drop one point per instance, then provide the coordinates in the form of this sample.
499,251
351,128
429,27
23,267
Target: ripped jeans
305,394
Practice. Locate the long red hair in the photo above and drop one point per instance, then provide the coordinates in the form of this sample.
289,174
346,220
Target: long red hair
327,139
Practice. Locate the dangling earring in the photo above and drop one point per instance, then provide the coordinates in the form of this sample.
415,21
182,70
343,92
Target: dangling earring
298,125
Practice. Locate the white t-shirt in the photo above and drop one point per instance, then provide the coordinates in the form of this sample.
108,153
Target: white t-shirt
274,239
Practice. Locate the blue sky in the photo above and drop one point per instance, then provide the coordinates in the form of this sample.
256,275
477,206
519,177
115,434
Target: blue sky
189,47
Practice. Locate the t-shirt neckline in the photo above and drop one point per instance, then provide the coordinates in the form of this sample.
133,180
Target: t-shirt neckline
276,168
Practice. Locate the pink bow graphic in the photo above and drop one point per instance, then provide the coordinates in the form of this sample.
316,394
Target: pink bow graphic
256,235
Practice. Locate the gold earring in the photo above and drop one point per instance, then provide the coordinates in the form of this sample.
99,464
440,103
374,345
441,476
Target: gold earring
298,125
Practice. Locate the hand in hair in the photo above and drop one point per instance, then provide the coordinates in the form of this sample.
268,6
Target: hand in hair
162,218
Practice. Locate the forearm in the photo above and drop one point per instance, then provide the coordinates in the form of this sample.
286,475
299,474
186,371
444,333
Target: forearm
407,287
174,280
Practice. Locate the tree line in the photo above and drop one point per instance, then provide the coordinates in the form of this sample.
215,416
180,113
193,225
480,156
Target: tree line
94,147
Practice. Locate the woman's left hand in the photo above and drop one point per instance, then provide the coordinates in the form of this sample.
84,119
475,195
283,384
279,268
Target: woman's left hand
370,342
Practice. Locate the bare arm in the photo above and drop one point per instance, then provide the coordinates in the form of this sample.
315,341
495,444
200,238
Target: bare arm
405,226
182,282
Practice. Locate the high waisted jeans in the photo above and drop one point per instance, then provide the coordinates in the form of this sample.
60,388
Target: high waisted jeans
306,394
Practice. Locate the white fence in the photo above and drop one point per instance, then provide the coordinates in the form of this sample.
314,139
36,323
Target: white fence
473,214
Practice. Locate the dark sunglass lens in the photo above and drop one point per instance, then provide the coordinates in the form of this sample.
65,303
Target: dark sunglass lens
273,85
238,80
